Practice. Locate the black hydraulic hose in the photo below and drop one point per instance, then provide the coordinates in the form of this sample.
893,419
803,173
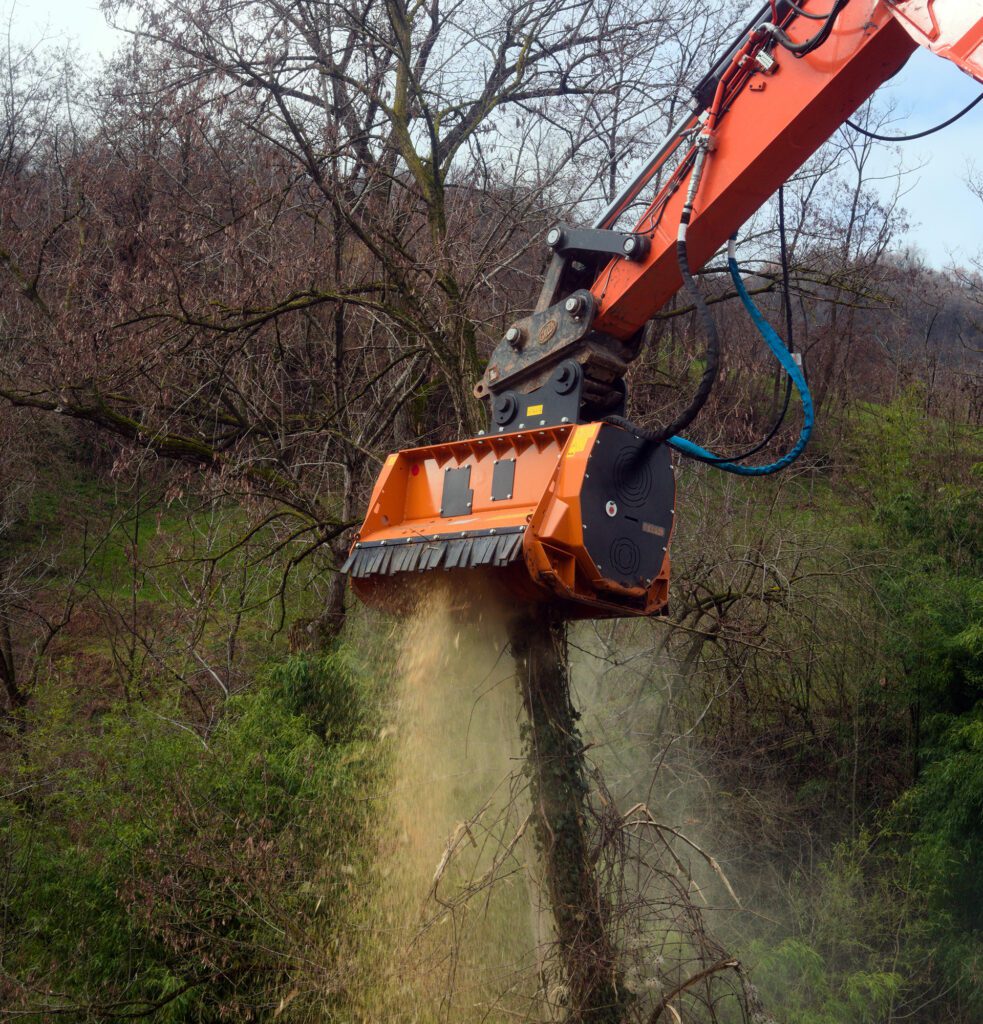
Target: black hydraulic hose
789,342
918,135
807,14
807,45
704,90
786,286
712,357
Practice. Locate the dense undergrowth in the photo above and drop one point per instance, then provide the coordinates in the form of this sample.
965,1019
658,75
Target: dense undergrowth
882,922
150,871
174,857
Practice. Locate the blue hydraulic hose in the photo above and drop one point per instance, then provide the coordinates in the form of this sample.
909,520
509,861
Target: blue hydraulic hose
791,367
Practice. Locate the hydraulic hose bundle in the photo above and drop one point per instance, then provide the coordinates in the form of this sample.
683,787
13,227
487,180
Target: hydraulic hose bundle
670,433
808,45
795,378
795,375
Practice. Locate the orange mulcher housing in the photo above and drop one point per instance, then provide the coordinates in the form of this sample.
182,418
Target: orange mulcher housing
552,505
575,515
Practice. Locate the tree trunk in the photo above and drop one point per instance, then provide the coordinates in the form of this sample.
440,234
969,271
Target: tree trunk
556,766
8,671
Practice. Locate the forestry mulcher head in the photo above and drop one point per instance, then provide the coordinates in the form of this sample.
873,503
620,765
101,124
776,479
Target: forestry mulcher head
575,515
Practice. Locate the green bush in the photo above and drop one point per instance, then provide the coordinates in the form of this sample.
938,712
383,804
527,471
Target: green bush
859,942
796,977
929,516
151,868
889,926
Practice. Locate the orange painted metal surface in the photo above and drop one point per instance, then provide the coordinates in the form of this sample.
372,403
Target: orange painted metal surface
553,565
763,135
951,28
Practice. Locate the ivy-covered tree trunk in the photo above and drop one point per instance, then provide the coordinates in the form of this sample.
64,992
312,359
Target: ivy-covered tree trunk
556,765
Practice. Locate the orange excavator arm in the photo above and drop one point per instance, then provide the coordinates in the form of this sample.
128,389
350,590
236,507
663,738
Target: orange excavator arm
762,111
767,123
561,501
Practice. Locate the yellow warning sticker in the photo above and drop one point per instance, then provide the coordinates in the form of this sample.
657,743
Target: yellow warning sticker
579,440
534,410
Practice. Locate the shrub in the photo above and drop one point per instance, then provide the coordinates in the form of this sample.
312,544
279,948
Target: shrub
152,869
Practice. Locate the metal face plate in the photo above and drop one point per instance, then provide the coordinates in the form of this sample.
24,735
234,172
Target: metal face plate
503,480
627,506
457,497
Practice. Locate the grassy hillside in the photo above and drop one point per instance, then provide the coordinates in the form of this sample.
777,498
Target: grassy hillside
190,809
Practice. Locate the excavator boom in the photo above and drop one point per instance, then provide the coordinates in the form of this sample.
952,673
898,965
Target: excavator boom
561,500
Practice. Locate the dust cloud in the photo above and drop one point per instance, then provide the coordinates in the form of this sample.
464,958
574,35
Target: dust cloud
455,927
656,795
456,921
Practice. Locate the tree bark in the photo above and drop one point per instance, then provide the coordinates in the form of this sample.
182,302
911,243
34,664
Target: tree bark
8,672
556,766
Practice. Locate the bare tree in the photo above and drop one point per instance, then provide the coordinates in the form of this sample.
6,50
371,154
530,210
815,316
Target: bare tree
286,234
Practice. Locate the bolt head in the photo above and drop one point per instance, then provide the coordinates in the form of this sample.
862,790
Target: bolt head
629,245
553,236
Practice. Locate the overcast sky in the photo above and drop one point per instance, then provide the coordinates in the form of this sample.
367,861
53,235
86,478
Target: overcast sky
947,220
